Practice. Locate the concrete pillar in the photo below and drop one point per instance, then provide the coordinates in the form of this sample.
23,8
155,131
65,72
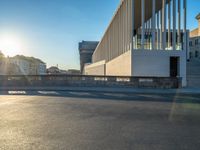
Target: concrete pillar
133,42
174,24
143,23
185,23
179,22
163,24
183,71
158,31
133,27
161,34
169,24
153,23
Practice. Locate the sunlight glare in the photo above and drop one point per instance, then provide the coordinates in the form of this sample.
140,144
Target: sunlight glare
10,45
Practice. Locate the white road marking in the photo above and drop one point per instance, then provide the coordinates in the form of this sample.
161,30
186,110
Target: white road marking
48,92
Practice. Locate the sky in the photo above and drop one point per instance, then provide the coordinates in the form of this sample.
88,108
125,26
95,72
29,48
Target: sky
51,29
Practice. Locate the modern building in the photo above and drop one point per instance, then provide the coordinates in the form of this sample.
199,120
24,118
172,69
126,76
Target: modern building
86,49
146,38
195,41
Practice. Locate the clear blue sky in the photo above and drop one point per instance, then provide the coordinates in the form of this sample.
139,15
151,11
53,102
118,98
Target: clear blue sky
51,29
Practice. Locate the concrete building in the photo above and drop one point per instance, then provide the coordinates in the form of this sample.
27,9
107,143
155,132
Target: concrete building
7,67
53,70
21,65
146,38
86,49
73,72
195,41
27,65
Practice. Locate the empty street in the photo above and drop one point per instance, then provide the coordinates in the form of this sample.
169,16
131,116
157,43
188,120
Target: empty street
56,120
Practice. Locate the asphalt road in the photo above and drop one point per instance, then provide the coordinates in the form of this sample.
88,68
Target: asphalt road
98,121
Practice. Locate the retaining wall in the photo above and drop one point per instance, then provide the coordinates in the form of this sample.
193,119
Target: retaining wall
89,81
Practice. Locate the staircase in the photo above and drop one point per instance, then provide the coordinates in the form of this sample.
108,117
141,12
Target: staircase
193,73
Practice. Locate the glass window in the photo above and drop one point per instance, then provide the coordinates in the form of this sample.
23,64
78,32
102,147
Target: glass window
190,43
196,53
196,41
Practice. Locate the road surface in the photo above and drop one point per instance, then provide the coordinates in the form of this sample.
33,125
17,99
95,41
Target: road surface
55,120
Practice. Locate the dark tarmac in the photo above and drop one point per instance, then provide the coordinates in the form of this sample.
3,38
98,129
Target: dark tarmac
43,120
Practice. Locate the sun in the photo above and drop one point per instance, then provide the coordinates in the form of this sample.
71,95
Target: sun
10,45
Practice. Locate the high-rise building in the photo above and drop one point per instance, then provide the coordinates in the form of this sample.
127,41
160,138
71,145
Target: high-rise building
86,49
146,38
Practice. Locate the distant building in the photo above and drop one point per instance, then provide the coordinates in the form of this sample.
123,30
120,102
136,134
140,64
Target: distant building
1,54
53,70
194,43
8,68
86,49
29,65
73,72
21,65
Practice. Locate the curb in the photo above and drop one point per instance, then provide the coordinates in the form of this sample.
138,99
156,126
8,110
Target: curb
103,89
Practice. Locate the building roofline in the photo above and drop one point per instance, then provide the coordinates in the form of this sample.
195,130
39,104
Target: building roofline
198,16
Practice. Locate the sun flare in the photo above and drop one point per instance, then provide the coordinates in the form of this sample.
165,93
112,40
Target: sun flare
10,45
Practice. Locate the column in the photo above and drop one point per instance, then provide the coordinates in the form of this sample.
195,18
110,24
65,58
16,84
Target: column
158,31
185,23
143,24
169,24
164,24
184,70
133,41
133,27
161,34
174,24
179,23
153,23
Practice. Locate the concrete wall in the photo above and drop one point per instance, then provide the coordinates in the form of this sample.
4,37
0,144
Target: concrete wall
95,68
142,63
24,82
120,66
150,66
156,63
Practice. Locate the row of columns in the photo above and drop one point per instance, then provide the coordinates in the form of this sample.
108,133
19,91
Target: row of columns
119,36
117,39
162,20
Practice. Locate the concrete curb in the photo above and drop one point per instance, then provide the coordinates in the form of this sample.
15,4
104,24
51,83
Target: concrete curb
106,89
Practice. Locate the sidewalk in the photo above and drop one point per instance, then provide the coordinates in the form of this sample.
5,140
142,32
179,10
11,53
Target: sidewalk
106,89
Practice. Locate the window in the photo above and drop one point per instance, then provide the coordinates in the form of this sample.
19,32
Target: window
190,55
196,53
190,43
196,41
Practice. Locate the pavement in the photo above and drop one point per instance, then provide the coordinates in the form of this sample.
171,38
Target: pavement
74,120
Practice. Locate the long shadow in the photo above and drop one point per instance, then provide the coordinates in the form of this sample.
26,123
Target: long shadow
169,98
